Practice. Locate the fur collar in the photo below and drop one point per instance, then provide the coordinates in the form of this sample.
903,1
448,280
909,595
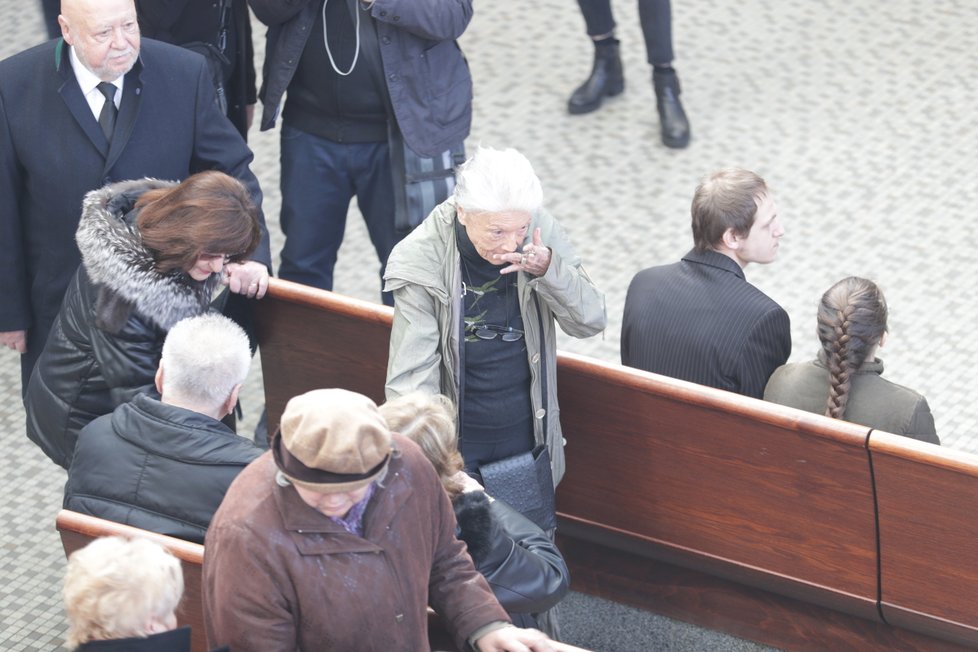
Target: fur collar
474,523
115,259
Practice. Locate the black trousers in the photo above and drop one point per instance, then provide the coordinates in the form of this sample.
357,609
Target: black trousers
656,17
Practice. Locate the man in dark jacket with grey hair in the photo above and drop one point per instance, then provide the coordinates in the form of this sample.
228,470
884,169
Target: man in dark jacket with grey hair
164,465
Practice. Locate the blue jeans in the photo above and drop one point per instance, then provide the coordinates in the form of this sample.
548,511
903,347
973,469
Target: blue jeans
319,178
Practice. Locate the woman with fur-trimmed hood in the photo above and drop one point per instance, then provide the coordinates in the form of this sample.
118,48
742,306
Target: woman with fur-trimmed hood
153,253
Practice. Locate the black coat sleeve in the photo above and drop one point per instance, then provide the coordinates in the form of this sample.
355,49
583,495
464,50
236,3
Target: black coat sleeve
522,565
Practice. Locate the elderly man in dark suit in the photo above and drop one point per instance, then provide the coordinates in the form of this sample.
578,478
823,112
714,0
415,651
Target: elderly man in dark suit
699,319
76,113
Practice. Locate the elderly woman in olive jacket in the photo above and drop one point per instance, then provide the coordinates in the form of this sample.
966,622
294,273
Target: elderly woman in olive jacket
425,274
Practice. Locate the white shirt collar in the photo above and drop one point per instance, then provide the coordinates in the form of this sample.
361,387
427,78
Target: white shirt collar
88,82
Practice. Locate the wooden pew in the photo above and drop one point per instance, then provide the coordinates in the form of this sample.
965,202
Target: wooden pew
927,497
721,510
77,530
311,339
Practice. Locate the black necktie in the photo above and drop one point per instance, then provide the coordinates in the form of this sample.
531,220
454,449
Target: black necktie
106,119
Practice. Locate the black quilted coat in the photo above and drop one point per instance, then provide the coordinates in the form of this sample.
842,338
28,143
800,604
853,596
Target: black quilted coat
524,569
105,344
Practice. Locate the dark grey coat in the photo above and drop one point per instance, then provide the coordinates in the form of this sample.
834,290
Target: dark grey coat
524,569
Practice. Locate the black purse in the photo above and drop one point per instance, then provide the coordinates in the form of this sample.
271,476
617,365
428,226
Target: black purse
524,482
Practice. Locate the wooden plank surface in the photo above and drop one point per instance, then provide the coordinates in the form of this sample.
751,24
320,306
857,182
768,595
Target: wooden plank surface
927,499
312,339
721,482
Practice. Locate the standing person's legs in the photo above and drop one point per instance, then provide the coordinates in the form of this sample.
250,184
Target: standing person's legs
606,77
375,197
316,192
597,17
656,18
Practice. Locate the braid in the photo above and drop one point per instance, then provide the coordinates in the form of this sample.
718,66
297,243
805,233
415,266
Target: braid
839,364
851,321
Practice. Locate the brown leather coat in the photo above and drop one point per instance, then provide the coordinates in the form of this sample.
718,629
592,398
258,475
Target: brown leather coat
279,575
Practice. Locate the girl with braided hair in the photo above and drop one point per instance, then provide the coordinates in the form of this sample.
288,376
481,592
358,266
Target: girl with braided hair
845,380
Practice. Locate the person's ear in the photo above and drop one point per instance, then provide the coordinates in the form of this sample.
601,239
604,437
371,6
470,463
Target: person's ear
155,627
65,31
731,240
159,378
882,339
229,404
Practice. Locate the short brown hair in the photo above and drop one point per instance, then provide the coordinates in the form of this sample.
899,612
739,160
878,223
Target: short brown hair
208,212
726,199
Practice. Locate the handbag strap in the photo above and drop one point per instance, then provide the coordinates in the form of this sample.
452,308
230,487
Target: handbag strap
461,345
543,367
224,6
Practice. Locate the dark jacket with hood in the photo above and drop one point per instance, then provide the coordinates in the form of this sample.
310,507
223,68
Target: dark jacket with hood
155,466
105,344
524,569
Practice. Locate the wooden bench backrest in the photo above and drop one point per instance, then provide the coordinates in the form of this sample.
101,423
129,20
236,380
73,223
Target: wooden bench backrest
756,493
312,339
78,530
752,492
927,498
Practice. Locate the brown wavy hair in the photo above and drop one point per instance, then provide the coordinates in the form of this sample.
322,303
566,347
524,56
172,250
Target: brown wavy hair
851,322
208,212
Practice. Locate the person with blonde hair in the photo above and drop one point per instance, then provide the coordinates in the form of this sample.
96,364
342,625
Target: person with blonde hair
845,380
522,565
124,589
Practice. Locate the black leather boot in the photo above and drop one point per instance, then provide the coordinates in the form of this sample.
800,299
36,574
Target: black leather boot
672,118
606,79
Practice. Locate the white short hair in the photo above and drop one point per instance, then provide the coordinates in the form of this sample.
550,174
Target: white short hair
204,357
497,181
115,586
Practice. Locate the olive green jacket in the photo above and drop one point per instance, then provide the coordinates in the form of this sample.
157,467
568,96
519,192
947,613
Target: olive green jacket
423,273
874,401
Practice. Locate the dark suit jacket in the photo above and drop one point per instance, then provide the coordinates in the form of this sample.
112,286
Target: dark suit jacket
700,320
52,152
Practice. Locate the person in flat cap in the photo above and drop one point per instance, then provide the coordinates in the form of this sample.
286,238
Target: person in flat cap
338,538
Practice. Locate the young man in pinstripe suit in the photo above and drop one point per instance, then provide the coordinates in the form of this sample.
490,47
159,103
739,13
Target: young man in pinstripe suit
699,319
